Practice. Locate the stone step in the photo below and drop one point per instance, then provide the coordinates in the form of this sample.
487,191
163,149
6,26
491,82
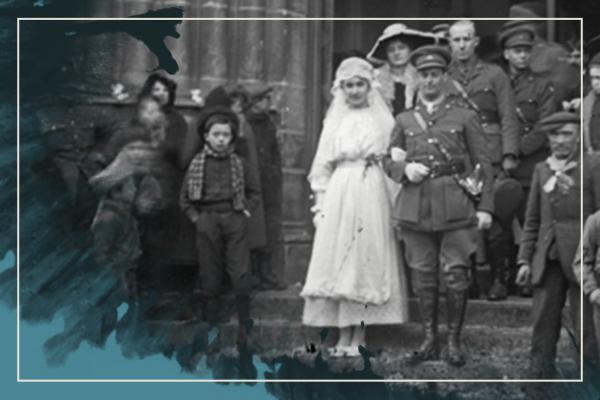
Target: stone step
284,336
477,340
273,305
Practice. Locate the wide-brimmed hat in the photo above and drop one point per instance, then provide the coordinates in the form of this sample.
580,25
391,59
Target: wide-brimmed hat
432,56
411,37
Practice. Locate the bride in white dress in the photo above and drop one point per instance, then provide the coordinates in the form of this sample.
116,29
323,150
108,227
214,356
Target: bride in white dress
354,278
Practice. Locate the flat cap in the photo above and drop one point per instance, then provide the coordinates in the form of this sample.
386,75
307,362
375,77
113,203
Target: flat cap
558,119
431,56
258,91
208,113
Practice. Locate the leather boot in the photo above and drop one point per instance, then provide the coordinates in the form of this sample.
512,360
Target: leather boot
242,304
498,290
456,307
430,348
474,286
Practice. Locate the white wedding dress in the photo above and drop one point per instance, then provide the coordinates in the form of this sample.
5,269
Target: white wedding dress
355,273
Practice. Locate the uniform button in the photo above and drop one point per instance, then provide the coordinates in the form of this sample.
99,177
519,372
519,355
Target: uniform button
72,123
430,140
431,157
430,123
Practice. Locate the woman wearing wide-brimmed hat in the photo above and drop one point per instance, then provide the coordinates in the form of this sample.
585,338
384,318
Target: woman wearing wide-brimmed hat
396,76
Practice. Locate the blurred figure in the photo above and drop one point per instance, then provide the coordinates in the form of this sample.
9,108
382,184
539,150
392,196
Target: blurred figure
591,108
264,130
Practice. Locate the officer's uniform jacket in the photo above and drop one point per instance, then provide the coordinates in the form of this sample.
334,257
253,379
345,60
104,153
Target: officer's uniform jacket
535,100
489,88
438,203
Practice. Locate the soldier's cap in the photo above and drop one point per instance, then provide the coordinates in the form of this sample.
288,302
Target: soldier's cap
592,46
441,28
516,35
431,56
558,120
441,31
411,37
527,9
209,113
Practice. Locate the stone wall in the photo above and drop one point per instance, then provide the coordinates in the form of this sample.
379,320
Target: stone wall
290,55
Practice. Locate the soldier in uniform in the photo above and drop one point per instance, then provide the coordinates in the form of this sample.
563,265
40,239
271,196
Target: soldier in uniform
548,58
535,100
487,89
550,239
442,143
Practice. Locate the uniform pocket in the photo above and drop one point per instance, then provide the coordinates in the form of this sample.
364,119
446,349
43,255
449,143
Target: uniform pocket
414,141
408,204
457,204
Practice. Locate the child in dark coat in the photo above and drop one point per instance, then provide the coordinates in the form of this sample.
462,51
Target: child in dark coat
218,194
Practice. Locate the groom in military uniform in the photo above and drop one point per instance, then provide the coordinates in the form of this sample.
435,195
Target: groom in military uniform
434,148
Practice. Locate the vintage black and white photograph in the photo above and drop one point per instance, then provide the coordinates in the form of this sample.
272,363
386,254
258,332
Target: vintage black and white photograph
327,198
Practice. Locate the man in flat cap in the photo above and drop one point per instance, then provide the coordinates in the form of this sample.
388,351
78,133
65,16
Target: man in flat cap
434,147
550,239
591,108
486,88
535,101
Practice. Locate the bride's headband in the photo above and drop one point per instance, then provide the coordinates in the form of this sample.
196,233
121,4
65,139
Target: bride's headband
353,67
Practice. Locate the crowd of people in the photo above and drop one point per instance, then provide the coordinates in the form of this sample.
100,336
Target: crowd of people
481,166
431,163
